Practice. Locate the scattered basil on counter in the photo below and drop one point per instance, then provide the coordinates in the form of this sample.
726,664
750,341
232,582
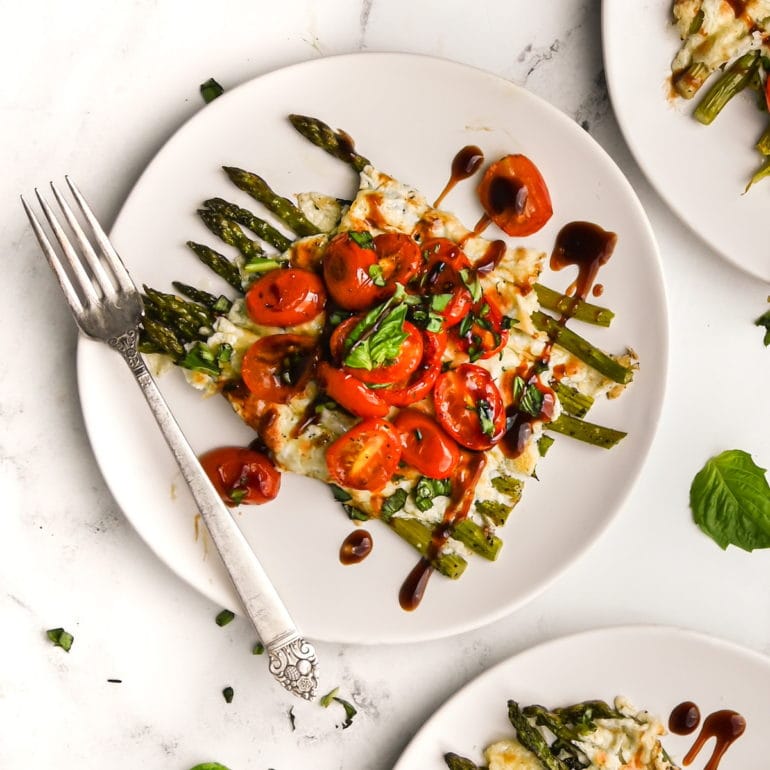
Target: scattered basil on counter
227,694
224,617
210,90
60,638
350,709
730,501
326,700
764,320
258,649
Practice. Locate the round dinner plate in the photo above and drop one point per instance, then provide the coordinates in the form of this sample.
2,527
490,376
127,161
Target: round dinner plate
655,667
700,171
409,115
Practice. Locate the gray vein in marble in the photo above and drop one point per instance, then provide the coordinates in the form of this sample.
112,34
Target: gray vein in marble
366,9
596,105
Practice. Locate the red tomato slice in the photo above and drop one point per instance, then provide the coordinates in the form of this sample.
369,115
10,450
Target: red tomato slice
469,406
277,367
241,476
350,392
285,297
346,272
445,260
425,446
366,456
514,195
408,359
419,385
484,336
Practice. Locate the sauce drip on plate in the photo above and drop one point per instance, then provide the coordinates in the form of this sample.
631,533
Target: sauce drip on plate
464,165
356,547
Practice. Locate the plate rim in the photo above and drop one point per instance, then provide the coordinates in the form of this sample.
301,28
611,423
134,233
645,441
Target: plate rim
212,590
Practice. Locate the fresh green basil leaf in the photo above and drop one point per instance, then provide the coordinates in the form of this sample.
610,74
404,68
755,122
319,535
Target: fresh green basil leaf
531,401
375,273
210,90
350,712
486,414
379,340
359,357
518,388
438,302
393,504
326,700
764,320
340,494
472,283
362,238
730,501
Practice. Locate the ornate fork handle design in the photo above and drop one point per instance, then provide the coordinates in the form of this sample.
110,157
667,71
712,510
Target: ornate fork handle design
292,659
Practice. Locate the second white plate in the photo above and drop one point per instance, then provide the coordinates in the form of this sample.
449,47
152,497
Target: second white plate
297,537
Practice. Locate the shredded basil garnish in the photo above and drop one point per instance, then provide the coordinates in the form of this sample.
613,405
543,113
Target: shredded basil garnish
393,504
60,638
340,494
210,90
531,402
362,238
486,415
378,337
224,617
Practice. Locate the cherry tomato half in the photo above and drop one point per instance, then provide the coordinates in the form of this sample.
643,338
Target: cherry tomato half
241,476
277,367
484,335
350,392
469,406
419,385
407,360
425,446
285,297
514,195
346,271
366,456
445,260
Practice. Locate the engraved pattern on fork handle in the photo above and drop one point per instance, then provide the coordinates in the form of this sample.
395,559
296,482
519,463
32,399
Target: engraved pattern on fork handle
291,658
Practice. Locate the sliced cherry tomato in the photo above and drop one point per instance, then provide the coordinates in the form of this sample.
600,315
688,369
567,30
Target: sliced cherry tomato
425,446
366,456
277,367
408,359
285,297
469,406
350,392
481,334
514,195
346,271
398,258
419,385
445,260
241,476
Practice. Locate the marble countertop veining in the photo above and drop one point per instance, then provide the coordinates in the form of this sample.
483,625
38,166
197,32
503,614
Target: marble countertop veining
94,89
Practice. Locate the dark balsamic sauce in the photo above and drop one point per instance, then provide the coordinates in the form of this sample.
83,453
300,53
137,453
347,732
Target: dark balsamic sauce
684,718
464,165
356,547
726,727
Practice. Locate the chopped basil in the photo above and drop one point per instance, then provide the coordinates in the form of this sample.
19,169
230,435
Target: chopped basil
375,273
438,302
764,320
531,402
258,649
472,283
227,694
350,712
506,322
393,504
222,305
377,338
427,489
466,324
363,239
354,513
518,388
486,415
200,358
210,90
225,353
224,617
326,700
60,638
340,494
262,265
544,444
236,494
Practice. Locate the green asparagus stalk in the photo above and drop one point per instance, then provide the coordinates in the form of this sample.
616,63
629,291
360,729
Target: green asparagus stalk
731,82
583,311
585,712
218,305
183,327
191,312
477,539
220,264
494,510
163,338
688,82
283,208
598,435
420,537
762,172
763,144
572,400
456,762
244,217
231,234
531,738
336,143
582,348
552,721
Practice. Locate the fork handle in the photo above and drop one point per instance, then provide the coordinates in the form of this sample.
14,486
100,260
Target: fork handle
292,660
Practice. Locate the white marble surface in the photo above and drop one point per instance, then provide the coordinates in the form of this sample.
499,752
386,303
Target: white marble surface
94,89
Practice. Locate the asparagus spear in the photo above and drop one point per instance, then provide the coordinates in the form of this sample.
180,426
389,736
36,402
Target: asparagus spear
585,712
687,82
762,172
163,338
531,738
598,435
231,233
729,84
220,264
583,311
283,208
336,143
456,762
419,536
572,400
477,539
184,327
244,217
763,143
191,312
582,348
218,305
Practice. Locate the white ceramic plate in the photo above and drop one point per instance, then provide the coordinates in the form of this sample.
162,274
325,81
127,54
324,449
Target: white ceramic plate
413,133
655,667
700,171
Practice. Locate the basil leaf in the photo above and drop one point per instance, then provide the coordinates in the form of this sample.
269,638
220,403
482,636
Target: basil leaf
438,302
485,412
210,90
375,273
427,488
377,338
350,712
227,694
393,504
730,501
764,320
531,401
60,638
359,358
340,494
224,617
518,388
363,239
326,700
472,283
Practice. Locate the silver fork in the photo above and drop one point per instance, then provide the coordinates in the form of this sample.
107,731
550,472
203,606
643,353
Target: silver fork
107,306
